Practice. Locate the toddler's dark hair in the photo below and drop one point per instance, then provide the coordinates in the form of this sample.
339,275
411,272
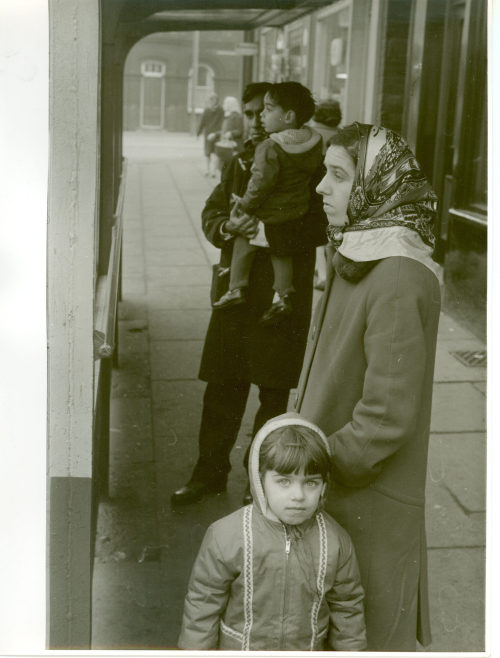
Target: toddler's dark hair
293,448
293,96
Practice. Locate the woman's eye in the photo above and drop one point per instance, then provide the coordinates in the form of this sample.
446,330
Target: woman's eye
313,484
283,482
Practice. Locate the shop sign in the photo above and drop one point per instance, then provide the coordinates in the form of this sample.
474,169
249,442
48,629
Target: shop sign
246,48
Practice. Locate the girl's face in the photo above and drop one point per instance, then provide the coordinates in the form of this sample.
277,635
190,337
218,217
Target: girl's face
336,186
273,116
293,498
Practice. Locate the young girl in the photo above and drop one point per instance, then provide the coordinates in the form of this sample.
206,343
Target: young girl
278,574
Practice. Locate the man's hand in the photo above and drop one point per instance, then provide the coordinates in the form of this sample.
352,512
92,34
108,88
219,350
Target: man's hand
241,224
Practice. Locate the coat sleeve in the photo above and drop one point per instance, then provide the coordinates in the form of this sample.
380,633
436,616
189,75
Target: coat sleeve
217,207
396,354
207,596
347,629
265,170
202,123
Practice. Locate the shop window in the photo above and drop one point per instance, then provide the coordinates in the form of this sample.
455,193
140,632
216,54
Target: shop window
202,89
272,63
332,50
296,53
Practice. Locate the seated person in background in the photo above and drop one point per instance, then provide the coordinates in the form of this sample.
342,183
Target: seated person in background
278,194
280,573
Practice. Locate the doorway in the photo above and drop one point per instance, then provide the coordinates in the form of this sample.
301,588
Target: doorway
152,103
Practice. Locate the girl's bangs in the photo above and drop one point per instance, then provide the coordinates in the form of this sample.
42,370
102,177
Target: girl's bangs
297,449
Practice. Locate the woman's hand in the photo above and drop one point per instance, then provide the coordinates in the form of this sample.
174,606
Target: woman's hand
211,137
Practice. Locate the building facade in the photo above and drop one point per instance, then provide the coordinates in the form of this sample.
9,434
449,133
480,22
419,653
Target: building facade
161,87
418,67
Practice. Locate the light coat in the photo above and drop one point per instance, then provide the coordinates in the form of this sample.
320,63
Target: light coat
367,383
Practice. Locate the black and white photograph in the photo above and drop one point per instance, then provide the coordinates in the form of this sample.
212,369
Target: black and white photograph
248,334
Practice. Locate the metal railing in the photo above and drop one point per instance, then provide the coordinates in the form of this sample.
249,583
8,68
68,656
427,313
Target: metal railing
108,285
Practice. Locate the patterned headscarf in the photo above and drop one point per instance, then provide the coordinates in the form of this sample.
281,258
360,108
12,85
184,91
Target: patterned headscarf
389,189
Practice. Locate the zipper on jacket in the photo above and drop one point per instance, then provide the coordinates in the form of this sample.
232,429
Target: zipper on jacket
288,542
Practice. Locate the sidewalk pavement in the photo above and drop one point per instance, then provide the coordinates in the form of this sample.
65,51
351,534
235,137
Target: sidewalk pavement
144,549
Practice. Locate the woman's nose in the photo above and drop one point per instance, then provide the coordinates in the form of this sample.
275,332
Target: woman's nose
321,187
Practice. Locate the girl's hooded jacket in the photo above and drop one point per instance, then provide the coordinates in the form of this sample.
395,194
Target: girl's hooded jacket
260,585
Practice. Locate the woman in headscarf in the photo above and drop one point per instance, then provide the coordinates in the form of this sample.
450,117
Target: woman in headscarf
368,370
231,133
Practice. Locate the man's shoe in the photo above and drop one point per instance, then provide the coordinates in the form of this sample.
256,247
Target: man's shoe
192,492
277,312
230,298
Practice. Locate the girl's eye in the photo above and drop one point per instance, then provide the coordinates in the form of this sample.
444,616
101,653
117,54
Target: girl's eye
313,483
283,482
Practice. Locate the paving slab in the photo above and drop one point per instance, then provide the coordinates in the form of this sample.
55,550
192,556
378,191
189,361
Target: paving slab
179,297
457,407
458,463
170,244
456,588
133,285
129,597
179,258
174,276
176,359
177,407
178,324
449,368
449,329
448,524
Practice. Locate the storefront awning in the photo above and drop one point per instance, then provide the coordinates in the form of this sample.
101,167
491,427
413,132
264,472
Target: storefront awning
169,15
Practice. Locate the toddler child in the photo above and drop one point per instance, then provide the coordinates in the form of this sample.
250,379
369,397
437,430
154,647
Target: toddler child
278,574
278,194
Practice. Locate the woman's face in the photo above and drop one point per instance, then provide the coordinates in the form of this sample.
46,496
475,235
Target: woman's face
335,187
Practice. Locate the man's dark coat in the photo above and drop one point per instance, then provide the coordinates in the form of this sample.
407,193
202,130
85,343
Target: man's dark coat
236,346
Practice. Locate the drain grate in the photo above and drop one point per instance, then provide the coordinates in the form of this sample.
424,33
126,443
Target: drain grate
471,357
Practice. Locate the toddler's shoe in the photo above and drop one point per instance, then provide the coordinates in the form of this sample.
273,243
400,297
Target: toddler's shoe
230,298
277,312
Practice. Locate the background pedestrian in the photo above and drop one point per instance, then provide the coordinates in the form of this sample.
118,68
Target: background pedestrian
210,125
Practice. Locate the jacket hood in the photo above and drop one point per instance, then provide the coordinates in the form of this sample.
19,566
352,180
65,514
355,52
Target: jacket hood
284,420
297,140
